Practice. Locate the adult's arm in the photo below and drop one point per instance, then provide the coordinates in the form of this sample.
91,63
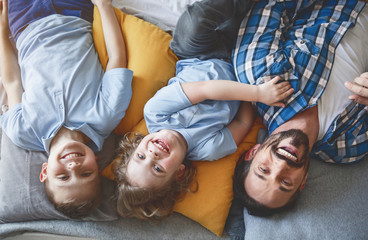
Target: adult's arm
10,71
114,40
360,88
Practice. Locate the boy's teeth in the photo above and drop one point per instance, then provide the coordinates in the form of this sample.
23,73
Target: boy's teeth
72,155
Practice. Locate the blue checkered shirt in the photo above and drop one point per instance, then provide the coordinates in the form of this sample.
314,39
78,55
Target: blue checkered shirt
297,40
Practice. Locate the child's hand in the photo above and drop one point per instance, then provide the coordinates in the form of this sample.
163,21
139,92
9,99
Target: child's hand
4,22
272,92
100,3
360,88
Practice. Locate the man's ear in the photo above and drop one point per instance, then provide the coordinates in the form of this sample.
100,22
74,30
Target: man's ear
251,152
303,183
180,172
43,174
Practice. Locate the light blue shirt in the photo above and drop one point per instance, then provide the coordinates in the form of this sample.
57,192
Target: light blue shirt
203,125
64,85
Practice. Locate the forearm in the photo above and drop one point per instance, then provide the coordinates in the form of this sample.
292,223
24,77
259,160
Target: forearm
220,90
114,40
10,71
242,122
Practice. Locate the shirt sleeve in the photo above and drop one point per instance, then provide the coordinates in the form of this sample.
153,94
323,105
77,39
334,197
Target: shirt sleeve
116,89
162,111
19,132
217,146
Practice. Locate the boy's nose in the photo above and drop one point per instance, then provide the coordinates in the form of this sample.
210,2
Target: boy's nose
72,165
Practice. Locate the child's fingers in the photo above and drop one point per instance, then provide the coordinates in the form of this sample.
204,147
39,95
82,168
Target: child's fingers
285,94
278,104
4,6
283,85
275,79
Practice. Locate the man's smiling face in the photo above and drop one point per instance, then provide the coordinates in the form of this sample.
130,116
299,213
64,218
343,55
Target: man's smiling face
278,169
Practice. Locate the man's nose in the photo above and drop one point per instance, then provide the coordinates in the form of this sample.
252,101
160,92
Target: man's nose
278,167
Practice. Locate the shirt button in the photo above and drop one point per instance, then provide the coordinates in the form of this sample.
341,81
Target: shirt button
61,106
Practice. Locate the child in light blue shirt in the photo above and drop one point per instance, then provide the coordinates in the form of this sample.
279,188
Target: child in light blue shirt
203,113
60,99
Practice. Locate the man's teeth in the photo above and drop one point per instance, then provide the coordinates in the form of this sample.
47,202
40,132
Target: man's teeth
73,155
287,154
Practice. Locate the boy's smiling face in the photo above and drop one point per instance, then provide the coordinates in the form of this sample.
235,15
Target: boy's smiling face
157,159
72,172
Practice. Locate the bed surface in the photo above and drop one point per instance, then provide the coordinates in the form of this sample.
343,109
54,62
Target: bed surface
332,206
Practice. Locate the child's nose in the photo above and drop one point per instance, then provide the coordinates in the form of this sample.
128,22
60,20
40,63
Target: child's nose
72,165
154,154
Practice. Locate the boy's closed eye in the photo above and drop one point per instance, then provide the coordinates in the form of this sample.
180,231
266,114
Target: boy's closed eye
63,177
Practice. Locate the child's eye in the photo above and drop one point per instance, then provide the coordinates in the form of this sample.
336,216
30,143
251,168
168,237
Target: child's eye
157,169
87,174
63,178
140,156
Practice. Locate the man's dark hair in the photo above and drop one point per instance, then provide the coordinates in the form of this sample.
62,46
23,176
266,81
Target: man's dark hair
254,207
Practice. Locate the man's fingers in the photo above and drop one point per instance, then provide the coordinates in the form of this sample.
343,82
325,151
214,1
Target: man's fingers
362,81
364,75
359,99
359,90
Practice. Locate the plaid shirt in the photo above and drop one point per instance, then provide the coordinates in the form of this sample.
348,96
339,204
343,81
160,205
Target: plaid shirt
297,40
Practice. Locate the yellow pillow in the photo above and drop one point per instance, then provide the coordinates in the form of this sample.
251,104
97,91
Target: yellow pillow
153,63
149,57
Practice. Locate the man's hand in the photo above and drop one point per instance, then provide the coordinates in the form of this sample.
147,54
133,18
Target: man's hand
360,88
272,92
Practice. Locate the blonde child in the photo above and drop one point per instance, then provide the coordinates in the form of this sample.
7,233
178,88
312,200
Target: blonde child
203,113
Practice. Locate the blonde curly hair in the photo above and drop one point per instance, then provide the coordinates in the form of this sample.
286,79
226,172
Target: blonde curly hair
146,203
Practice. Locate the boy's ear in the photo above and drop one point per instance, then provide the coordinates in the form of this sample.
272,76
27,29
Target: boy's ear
250,154
43,174
180,172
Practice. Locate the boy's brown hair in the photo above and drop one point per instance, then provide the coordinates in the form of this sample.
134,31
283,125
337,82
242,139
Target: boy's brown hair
75,209
144,203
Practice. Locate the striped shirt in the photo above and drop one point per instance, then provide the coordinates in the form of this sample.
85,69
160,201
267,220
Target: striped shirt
297,40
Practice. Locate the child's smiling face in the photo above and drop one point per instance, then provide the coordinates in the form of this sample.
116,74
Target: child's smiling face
157,159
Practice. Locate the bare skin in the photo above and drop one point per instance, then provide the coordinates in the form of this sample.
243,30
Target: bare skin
360,89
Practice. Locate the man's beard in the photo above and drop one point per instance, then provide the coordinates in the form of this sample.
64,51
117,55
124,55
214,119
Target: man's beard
298,139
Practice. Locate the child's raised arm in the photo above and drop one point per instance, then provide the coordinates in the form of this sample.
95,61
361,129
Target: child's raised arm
10,71
114,40
270,93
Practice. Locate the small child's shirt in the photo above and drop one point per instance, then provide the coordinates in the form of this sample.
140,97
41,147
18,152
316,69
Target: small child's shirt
203,125
64,85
